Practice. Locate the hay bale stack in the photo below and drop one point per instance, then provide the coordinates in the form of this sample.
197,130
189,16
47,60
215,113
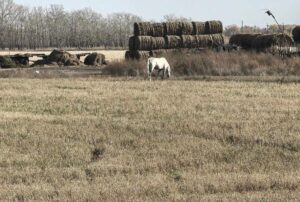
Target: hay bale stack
173,41
158,43
296,34
158,30
218,40
266,41
213,27
143,43
95,59
186,28
198,28
62,58
243,40
189,41
143,29
137,55
172,28
204,41
7,62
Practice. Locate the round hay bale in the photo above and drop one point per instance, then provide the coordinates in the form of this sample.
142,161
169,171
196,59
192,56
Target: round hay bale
21,60
158,43
158,53
140,55
243,40
186,28
213,27
189,41
39,63
158,30
143,29
129,55
218,40
95,59
58,56
143,43
7,62
62,57
296,34
204,41
131,43
72,61
266,41
161,52
137,55
173,41
198,28
172,28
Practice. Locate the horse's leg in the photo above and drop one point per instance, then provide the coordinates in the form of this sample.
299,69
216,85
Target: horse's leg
150,70
164,72
168,73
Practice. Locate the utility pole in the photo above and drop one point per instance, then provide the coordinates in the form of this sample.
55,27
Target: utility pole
242,28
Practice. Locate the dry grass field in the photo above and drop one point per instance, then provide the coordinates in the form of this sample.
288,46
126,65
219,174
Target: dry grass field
116,140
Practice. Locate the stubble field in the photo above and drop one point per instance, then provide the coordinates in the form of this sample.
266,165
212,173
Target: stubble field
116,140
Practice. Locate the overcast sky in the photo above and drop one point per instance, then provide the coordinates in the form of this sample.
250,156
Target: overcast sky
228,11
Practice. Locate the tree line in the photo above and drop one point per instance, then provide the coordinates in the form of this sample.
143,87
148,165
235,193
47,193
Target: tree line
270,29
21,27
34,28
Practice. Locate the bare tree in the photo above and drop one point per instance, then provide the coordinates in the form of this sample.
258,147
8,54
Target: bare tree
174,18
21,27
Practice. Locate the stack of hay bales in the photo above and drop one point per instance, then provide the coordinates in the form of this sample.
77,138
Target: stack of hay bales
260,41
173,35
296,34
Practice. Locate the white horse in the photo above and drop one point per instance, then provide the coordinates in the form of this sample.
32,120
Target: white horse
159,64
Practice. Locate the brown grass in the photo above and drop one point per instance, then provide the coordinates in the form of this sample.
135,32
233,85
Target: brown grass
131,68
114,140
224,64
235,64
